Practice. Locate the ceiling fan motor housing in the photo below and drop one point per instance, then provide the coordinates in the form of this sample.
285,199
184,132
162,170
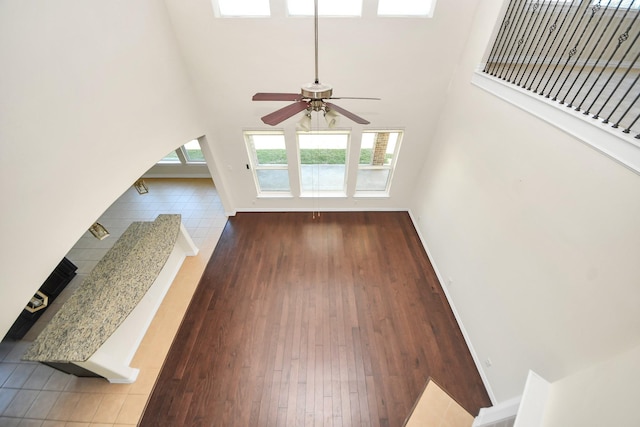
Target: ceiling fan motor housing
316,91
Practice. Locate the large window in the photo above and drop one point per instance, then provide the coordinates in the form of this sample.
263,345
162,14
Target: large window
268,156
323,162
172,157
377,159
185,154
192,152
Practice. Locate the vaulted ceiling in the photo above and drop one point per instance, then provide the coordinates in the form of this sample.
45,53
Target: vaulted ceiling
408,62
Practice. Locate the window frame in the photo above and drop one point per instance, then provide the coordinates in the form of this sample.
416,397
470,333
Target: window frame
255,166
183,156
177,161
318,192
391,166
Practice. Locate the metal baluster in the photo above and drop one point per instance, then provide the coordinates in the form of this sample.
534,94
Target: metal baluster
572,51
625,95
535,36
492,60
597,115
521,41
628,128
503,44
537,46
621,39
555,53
579,57
553,28
604,49
509,46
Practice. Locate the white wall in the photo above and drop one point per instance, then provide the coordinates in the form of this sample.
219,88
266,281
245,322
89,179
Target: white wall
161,170
92,94
538,233
605,394
394,59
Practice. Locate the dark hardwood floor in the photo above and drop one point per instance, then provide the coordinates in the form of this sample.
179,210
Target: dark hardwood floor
332,321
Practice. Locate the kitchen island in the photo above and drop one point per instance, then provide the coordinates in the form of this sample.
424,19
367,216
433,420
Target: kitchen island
98,330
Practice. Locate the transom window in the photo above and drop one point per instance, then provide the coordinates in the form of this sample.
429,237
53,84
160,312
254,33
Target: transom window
345,8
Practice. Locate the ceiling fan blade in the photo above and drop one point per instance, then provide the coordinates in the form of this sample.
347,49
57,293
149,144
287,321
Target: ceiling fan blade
284,113
276,97
351,97
347,114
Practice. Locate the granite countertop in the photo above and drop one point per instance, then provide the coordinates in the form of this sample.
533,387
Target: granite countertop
111,291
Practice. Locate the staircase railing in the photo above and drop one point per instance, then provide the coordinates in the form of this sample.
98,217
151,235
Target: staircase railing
583,54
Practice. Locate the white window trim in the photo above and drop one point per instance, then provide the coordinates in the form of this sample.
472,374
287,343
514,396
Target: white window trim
169,162
325,193
184,156
621,147
391,166
370,193
255,166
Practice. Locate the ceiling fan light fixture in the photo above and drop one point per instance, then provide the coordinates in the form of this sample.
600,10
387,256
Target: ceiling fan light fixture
304,124
332,118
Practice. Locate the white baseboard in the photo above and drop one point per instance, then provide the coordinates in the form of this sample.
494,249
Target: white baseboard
176,176
323,209
497,414
467,339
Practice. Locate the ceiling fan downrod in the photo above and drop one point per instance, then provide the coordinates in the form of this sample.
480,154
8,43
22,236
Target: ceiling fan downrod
316,91
315,14
312,96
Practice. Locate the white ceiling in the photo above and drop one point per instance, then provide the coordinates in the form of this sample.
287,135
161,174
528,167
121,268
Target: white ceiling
405,61
408,62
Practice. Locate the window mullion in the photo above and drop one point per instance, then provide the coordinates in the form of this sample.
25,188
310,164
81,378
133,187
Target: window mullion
181,155
353,160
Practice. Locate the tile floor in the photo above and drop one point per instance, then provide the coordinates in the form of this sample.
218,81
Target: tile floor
32,394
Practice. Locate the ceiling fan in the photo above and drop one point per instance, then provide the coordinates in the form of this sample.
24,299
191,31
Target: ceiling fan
312,97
